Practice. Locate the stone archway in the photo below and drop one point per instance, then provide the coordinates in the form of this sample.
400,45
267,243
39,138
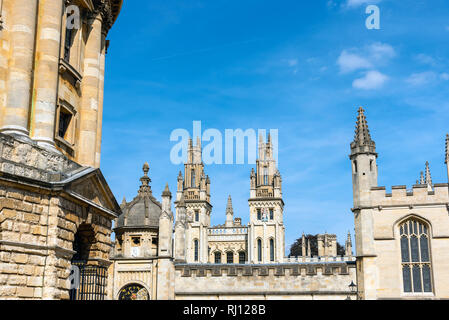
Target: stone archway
88,280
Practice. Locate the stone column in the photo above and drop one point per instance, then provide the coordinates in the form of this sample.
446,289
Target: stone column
89,92
46,74
100,100
20,68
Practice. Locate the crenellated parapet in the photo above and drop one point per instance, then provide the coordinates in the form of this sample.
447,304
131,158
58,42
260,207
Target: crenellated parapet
280,269
419,195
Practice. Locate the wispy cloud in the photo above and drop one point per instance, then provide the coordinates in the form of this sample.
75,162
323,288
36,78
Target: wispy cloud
370,56
425,59
372,80
444,76
421,78
349,62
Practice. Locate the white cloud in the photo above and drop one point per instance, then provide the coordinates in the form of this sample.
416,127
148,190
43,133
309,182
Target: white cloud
370,56
357,3
421,78
372,80
381,51
349,62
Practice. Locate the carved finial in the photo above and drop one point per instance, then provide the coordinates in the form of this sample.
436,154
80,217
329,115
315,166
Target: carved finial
428,177
180,175
146,168
124,200
421,178
229,205
145,180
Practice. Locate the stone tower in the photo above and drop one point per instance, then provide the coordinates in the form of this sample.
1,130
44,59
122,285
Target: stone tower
56,208
364,176
194,190
266,233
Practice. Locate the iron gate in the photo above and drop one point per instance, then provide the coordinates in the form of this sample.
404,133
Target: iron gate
91,284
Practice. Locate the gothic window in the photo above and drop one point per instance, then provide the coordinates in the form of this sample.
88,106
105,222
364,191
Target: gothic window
259,250
271,250
229,257
193,178
271,214
217,256
242,257
259,214
197,215
265,176
415,256
196,249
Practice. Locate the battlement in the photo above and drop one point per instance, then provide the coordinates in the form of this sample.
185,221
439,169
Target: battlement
300,259
419,194
326,268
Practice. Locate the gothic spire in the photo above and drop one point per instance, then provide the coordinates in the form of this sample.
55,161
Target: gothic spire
362,139
166,191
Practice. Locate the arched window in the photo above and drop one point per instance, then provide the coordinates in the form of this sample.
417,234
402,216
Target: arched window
415,256
193,178
265,176
242,257
196,247
271,250
259,250
217,256
229,257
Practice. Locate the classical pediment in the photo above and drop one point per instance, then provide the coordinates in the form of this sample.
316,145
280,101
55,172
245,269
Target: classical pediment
92,187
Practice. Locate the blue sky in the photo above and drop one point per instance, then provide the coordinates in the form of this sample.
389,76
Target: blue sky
302,67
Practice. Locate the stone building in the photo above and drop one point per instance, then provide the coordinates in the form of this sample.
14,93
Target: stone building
56,209
402,237
155,258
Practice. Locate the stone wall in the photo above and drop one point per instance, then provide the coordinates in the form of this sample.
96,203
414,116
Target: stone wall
277,281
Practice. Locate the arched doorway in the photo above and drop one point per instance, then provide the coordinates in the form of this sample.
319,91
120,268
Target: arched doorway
133,291
87,281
